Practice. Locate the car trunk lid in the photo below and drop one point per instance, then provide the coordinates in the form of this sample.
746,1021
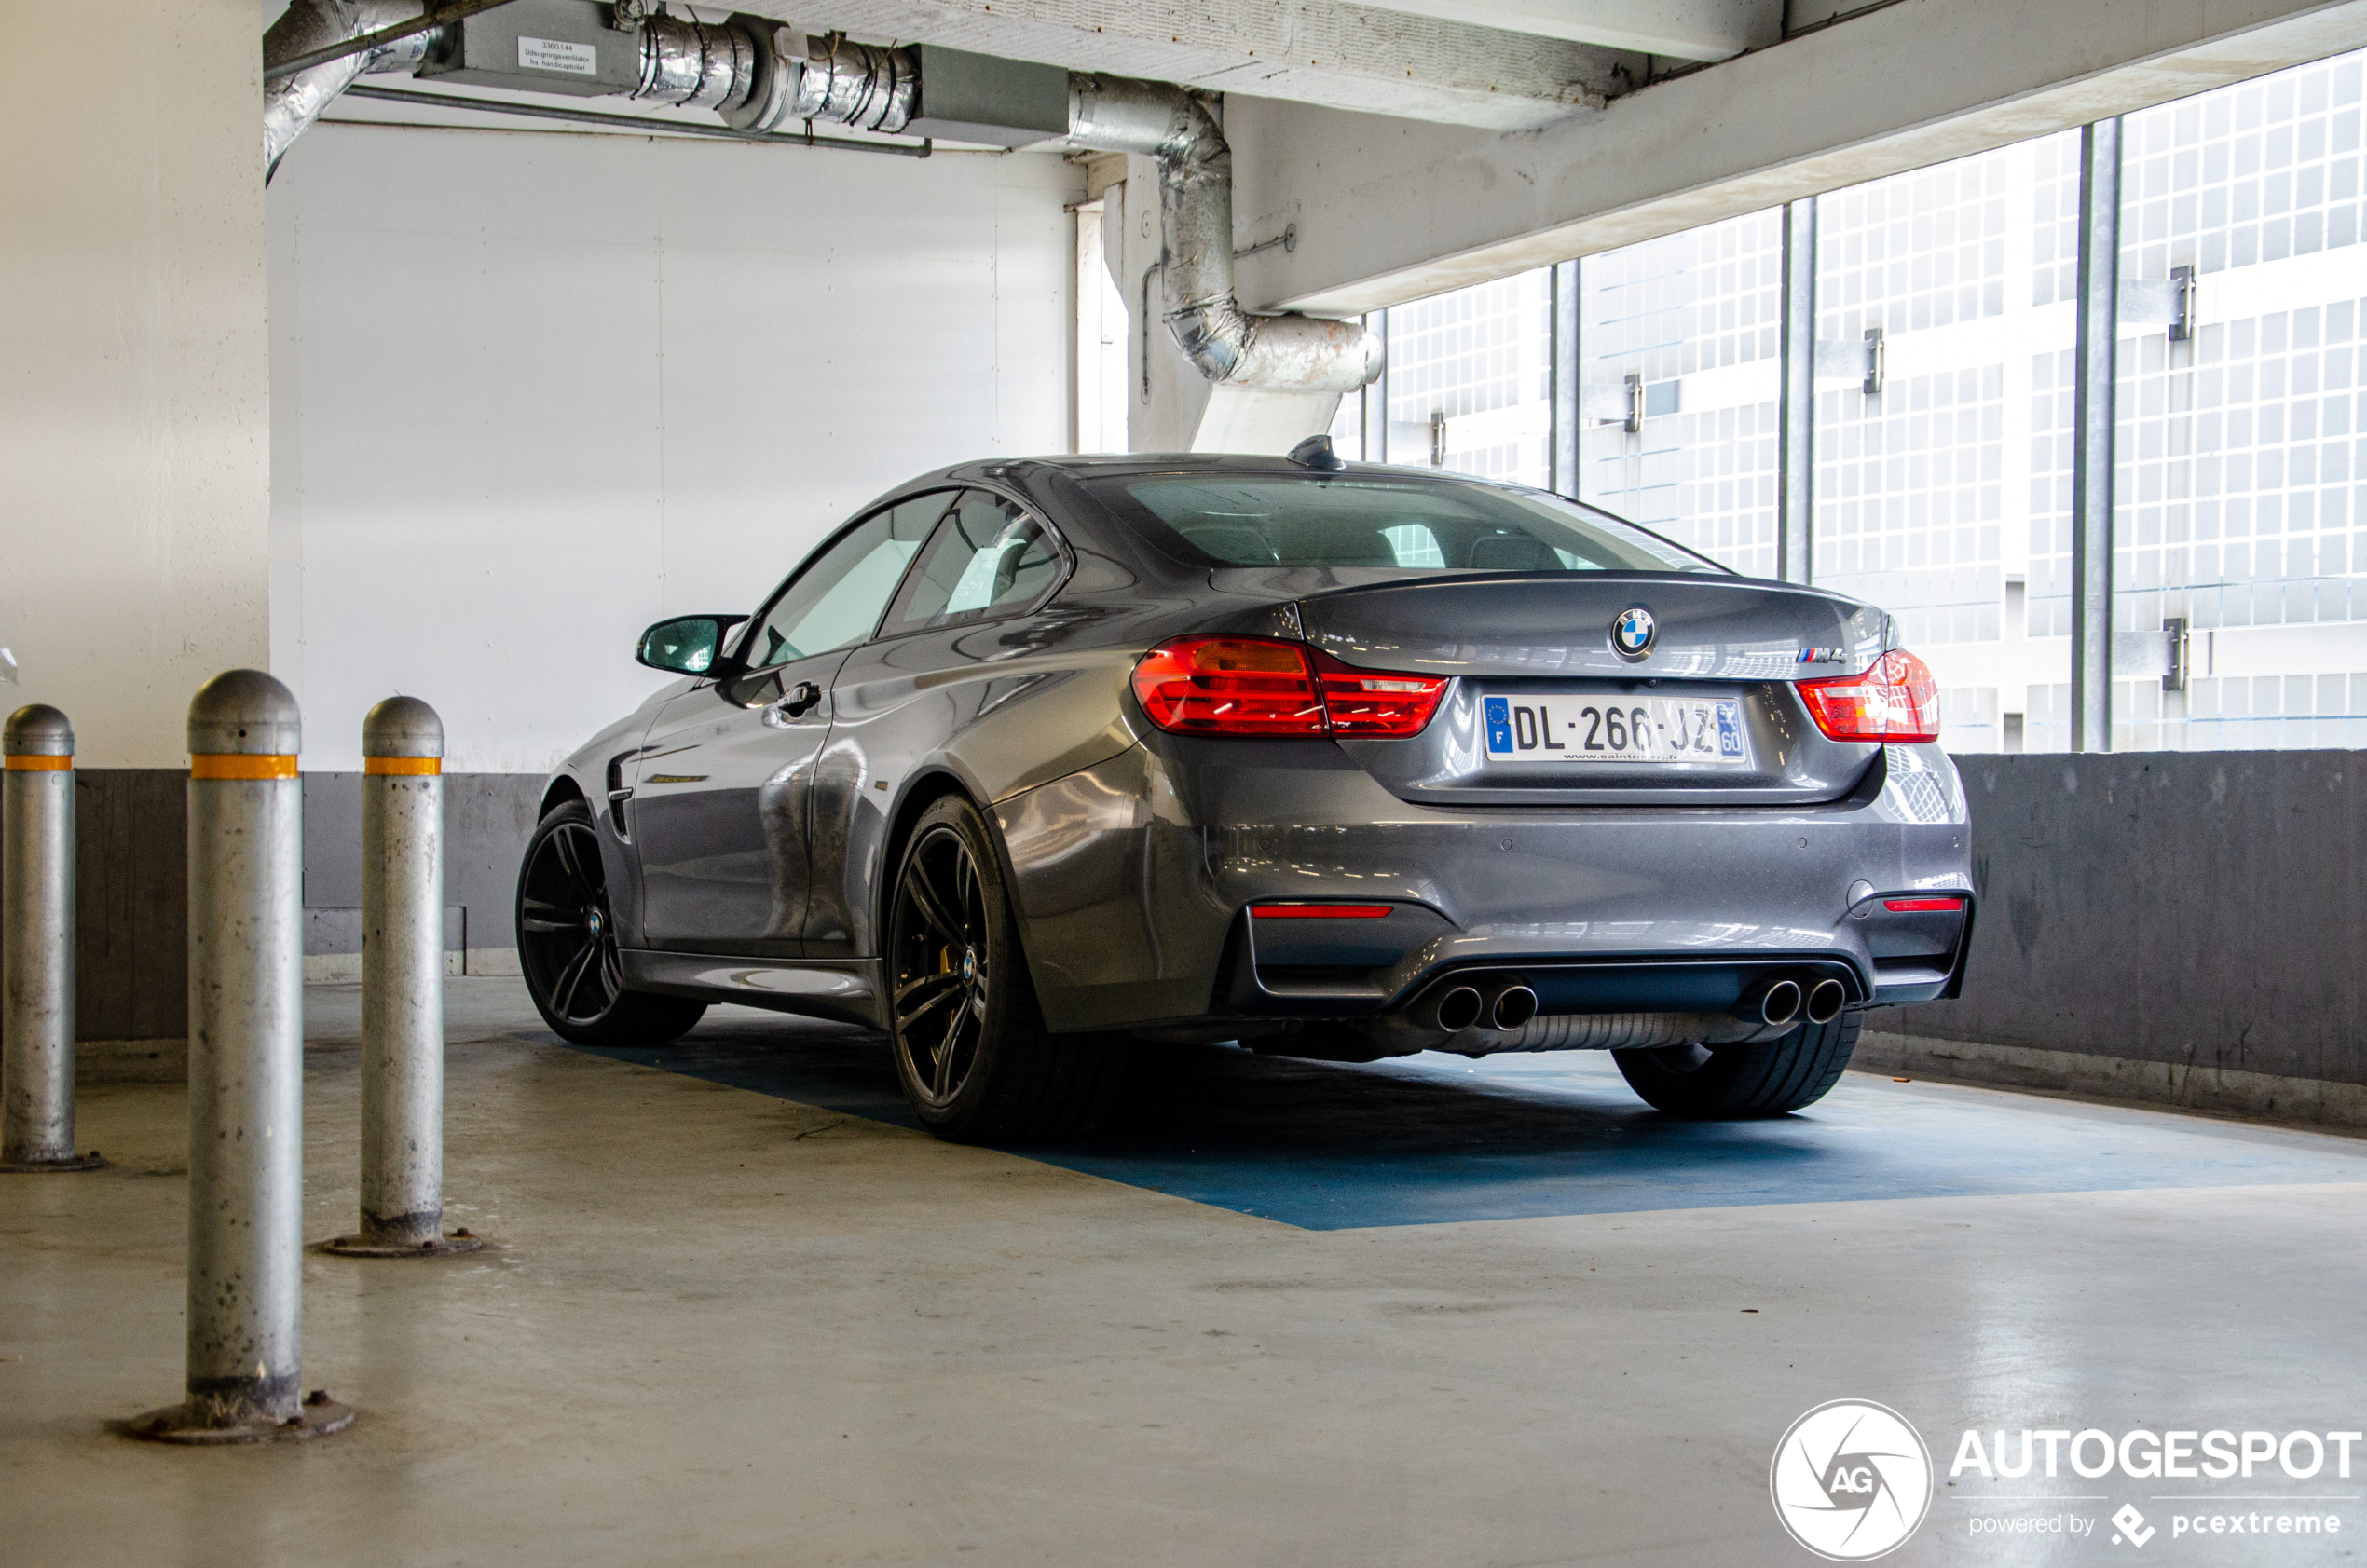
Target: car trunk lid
1547,709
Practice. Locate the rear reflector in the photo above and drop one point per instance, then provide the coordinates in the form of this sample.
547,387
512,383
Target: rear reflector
1895,699
1264,686
1922,905
1318,911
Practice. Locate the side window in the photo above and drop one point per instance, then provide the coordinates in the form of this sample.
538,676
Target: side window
987,558
835,601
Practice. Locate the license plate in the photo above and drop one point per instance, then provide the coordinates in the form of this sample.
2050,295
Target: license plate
1559,730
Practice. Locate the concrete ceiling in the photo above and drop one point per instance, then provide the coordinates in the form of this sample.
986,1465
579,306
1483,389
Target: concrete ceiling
1679,28
1325,52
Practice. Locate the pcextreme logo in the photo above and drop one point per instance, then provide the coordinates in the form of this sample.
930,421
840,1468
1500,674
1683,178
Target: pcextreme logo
1850,1480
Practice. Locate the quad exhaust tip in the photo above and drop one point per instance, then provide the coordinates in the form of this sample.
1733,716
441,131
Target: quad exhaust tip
1490,1002
1504,1002
1459,1008
1512,1006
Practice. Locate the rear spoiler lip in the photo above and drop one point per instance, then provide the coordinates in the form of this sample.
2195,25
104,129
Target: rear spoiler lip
1690,579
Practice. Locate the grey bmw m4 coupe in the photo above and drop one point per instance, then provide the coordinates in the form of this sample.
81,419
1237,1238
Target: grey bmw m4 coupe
1036,759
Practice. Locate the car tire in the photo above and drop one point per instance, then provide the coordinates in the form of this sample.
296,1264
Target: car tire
567,943
972,1054
1731,1083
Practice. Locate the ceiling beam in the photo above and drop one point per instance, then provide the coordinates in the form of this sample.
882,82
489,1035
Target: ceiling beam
1389,211
1324,52
1678,29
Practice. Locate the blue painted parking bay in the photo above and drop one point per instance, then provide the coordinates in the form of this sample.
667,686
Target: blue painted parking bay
1434,1138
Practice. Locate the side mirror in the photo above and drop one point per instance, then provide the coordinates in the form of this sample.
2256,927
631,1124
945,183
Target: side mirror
689,645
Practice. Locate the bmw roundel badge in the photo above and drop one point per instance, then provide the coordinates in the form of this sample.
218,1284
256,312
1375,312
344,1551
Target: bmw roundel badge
1633,632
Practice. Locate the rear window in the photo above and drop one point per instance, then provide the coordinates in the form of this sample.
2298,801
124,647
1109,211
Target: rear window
1283,520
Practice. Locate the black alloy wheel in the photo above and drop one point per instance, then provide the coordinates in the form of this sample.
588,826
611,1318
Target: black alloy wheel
1735,1082
567,943
971,1050
945,987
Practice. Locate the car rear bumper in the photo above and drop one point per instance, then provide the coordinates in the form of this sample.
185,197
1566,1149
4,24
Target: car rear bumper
1133,880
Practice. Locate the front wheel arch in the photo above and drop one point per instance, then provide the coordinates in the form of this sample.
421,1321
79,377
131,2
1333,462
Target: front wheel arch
560,790
568,941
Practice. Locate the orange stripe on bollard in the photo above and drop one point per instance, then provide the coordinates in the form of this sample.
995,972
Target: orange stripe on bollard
381,765
241,765
29,764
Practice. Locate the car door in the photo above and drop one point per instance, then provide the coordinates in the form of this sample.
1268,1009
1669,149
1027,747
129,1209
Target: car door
721,794
988,562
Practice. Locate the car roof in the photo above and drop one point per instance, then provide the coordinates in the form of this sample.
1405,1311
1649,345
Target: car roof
1120,463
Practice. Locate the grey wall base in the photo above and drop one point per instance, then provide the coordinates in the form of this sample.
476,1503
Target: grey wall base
2195,908
487,818
2222,1091
131,899
2181,928
131,1061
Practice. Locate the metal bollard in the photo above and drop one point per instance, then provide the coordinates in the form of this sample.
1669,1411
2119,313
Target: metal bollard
246,1075
37,946
403,988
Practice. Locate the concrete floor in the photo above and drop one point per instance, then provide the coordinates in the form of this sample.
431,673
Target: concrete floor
720,1325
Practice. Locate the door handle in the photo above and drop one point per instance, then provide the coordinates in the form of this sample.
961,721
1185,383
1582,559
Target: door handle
801,701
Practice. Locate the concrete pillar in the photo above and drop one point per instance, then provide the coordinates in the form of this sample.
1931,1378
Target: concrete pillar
134,388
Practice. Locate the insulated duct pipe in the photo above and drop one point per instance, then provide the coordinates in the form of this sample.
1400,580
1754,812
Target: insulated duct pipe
1226,344
761,77
757,74
292,102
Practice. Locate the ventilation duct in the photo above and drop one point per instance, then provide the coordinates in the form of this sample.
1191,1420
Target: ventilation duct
762,77
292,102
1226,344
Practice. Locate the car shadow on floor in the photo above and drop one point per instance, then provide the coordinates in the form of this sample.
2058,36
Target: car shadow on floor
1432,1139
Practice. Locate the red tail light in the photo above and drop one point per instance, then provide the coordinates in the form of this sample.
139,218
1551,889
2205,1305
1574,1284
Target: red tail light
1922,905
1896,700
1377,701
1264,685
1229,686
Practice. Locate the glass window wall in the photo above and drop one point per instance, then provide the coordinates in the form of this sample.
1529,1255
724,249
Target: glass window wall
1679,379
1469,380
2239,616
1944,328
1945,322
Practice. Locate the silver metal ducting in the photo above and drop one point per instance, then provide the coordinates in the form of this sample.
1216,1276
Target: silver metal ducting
692,65
763,77
1228,344
856,84
293,102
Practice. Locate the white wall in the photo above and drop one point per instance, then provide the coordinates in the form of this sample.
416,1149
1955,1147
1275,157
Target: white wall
134,391
532,391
